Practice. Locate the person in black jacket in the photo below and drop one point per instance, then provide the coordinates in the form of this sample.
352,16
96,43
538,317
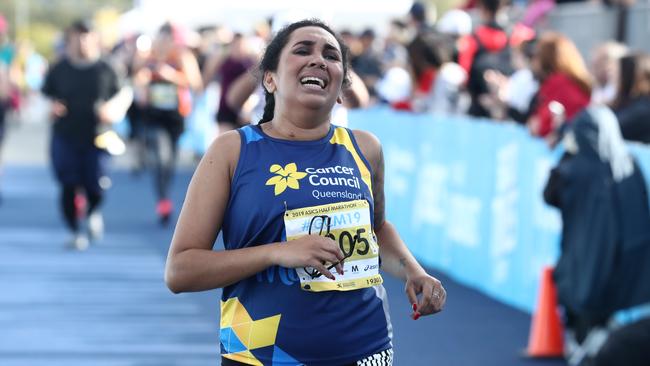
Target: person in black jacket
605,245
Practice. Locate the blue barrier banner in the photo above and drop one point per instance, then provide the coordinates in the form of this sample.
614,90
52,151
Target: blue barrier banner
466,196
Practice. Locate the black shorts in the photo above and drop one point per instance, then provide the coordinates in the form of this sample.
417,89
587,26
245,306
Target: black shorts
170,121
383,358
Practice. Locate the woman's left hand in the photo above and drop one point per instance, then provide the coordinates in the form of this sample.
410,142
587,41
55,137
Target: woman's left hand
431,293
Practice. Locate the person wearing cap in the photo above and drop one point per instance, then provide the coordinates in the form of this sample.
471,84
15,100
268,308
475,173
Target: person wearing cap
86,95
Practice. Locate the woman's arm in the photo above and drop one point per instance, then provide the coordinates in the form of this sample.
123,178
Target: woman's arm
356,94
240,90
395,256
211,67
191,71
192,265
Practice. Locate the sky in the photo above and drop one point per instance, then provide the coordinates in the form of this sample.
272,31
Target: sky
242,14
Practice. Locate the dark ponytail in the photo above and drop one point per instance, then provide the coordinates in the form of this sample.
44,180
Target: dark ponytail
269,106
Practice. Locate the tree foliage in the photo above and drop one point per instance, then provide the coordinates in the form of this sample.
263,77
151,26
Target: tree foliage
43,21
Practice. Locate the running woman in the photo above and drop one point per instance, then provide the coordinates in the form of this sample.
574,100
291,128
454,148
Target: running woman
301,206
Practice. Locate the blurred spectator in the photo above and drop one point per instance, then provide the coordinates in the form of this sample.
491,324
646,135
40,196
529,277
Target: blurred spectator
565,87
86,96
604,66
395,83
514,95
427,52
225,69
488,48
394,52
633,100
367,64
448,95
445,93
168,74
605,245
522,84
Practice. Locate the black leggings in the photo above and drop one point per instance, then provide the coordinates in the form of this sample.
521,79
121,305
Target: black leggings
162,132
68,193
162,147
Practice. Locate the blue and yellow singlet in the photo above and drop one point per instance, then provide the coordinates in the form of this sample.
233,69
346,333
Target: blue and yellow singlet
280,191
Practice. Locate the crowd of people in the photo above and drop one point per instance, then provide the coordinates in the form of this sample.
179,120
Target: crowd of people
480,60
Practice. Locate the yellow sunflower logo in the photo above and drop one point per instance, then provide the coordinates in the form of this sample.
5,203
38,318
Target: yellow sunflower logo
283,178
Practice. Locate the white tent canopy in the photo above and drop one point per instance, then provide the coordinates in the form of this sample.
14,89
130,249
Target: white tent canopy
242,15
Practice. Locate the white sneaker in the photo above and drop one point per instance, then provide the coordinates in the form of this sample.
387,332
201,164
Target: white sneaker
79,242
96,225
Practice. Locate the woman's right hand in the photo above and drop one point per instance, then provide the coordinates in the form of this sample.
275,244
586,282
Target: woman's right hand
310,251
58,110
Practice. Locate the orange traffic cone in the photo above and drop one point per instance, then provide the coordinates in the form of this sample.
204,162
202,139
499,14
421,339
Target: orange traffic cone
545,339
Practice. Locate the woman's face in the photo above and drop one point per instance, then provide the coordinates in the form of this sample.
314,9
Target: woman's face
310,70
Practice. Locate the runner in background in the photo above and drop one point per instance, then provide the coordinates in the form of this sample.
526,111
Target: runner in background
168,74
86,95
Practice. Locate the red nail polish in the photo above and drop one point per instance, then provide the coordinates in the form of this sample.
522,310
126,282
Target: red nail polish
416,316
415,307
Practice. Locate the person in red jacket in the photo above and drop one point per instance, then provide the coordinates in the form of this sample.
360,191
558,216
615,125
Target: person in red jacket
488,48
565,85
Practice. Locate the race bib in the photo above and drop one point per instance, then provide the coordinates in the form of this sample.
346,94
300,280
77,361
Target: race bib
163,96
348,224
